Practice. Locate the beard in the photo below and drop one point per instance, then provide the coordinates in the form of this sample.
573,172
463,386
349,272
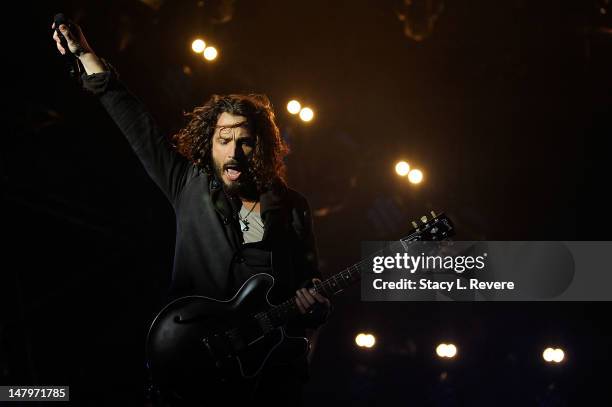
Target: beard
243,187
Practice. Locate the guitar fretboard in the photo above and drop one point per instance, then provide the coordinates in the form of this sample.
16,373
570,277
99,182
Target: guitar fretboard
283,312
436,229
330,287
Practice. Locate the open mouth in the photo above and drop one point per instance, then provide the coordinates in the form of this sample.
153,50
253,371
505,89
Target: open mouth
232,172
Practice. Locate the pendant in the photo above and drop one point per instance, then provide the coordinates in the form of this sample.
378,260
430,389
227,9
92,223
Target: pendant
245,225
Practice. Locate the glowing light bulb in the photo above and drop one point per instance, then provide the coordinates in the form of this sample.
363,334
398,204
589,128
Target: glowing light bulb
294,107
402,168
198,46
306,114
415,176
210,53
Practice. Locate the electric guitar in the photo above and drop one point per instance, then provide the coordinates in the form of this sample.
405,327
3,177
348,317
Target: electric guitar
197,345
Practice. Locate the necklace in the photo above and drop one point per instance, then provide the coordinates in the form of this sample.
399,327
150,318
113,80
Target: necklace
244,223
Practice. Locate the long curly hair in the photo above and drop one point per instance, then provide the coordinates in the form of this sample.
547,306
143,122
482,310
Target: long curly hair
194,141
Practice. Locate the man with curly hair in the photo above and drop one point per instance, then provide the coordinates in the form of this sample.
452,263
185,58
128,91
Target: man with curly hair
223,173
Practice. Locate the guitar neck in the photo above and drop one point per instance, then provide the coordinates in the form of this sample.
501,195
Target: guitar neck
284,312
438,228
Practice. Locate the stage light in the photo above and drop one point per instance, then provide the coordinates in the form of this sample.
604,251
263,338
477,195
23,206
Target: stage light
359,339
306,114
402,168
559,355
365,340
370,341
415,176
294,107
551,355
210,53
548,354
444,350
198,46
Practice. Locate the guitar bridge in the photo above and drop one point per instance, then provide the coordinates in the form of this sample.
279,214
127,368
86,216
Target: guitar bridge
236,340
219,347
264,321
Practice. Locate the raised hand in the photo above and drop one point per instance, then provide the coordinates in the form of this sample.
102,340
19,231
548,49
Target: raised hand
77,44
76,41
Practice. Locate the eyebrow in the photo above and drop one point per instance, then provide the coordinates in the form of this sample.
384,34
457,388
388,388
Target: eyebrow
243,123
240,137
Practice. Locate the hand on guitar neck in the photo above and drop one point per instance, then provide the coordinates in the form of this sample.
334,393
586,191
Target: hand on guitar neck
306,298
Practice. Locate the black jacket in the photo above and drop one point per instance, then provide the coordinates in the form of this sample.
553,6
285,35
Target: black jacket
210,256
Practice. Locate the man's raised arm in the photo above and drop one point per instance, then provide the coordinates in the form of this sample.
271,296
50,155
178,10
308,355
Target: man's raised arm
168,169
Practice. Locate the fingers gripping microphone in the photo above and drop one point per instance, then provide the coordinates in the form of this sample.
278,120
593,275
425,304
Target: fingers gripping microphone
70,60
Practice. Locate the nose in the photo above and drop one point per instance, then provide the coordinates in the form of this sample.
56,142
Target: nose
236,150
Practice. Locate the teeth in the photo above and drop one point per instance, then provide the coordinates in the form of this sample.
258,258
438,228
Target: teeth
232,174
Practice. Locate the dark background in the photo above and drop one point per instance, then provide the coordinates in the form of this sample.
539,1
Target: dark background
505,105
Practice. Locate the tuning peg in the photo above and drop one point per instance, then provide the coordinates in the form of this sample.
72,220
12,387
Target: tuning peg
424,219
433,214
414,225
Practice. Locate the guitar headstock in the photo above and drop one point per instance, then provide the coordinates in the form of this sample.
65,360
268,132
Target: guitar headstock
436,228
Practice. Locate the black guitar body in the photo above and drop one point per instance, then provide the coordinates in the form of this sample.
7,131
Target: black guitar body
198,345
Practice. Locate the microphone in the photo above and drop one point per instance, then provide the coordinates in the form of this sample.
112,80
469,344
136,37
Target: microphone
70,60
